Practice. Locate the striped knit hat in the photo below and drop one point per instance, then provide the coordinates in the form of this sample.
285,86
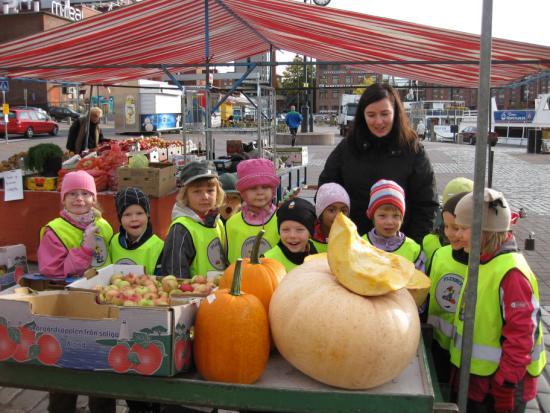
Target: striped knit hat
385,192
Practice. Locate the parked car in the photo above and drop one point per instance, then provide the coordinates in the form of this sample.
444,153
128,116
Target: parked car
31,108
469,135
29,122
60,113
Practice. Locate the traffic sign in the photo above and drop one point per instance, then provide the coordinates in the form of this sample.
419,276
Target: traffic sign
4,86
6,109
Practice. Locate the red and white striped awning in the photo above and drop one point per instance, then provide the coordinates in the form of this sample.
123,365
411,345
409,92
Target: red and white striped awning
134,41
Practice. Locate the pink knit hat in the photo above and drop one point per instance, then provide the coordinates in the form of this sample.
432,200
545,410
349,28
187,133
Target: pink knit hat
78,180
253,172
385,192
329,194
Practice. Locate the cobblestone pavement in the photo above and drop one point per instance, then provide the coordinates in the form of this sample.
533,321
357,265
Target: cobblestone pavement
523,178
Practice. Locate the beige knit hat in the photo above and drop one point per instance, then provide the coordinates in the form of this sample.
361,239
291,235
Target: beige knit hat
496,212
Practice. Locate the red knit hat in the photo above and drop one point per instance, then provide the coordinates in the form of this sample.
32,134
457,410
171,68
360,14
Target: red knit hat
78,180
254,172
385,192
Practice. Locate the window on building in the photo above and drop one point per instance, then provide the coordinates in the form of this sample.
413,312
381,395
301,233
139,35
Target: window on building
349,80
322,94
335,108
335,79
335,93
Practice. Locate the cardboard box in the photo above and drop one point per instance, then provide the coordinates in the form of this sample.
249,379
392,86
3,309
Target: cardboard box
40,183
69,329
293,156
157,180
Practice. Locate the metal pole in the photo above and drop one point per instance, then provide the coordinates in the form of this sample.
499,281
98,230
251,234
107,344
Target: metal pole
6,117
208,120
305,108
470,294
259,117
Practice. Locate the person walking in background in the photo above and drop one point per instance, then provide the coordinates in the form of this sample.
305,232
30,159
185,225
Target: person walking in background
76,141
293,120
382,145
421,130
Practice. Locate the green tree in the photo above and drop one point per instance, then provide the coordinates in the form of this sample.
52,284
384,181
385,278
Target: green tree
293,80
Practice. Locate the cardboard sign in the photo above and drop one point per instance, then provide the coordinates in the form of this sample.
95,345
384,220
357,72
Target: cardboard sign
13,185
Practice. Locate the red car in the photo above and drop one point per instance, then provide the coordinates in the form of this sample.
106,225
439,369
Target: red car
28,122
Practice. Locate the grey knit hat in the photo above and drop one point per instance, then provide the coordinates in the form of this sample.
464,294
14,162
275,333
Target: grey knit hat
131,196
496,212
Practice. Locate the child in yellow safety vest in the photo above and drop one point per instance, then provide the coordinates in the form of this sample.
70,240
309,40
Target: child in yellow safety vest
331,199
195,243
257,182
447,272
296,221
436,239
69,245
135,243
79,238
386,210
508,351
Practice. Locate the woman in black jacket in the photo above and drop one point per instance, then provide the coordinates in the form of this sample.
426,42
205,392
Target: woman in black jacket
382,145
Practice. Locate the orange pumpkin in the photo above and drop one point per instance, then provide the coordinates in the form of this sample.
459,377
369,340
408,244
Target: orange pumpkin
260,276
231,341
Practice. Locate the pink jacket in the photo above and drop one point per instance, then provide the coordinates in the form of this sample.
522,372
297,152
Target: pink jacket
55,261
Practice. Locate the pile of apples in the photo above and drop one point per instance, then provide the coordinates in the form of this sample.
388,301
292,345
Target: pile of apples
147,291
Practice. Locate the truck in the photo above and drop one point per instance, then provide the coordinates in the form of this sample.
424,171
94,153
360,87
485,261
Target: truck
346,112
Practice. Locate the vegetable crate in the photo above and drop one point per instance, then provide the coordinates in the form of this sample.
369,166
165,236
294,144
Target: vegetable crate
69,329
157,180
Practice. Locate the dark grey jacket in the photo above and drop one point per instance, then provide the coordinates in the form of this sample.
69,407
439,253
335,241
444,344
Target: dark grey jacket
358,166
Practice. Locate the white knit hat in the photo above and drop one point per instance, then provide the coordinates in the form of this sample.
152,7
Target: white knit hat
496,212
327,195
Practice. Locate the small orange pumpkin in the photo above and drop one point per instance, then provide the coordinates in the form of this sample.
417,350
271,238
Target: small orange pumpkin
231,341
260,276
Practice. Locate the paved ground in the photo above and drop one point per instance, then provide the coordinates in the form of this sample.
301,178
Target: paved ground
524,179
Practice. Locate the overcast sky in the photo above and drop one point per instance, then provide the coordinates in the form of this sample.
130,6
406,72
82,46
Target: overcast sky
521,20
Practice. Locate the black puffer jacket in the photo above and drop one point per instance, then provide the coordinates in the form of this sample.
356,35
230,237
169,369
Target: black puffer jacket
357,166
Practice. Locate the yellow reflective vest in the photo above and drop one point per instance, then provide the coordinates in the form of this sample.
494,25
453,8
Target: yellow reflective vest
409,249
209,245
241,236
71,237
447,276
430,244
147,254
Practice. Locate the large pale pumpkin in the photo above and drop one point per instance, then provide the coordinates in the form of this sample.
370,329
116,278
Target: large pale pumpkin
260,276
338,337
231,340
360,266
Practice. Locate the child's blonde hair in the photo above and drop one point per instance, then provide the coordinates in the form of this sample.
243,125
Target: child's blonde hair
491,241
182,200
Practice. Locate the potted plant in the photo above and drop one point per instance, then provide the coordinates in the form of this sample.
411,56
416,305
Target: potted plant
45,159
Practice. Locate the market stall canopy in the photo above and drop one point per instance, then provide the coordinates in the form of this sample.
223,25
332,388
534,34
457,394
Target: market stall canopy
134,41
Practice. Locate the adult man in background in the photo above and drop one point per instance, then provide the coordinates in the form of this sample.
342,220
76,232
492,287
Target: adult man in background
82,131
293,120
